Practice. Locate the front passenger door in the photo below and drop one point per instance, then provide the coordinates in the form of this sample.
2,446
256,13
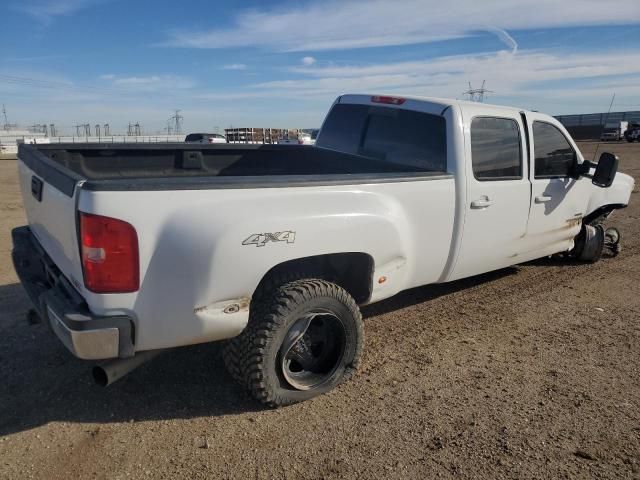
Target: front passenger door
558,201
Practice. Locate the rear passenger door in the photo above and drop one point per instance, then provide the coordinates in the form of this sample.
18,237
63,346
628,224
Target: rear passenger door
558,200
498,191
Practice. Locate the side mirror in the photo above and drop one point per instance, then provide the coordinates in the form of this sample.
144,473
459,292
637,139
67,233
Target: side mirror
605,170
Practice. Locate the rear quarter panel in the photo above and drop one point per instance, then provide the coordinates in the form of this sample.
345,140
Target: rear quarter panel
193,261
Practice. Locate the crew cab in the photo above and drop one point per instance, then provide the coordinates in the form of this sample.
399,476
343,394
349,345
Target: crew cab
132,249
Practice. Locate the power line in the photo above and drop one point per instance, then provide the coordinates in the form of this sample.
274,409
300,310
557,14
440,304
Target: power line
54,84
51,84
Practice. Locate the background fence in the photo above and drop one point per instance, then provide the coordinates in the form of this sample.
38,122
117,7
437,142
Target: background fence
589,126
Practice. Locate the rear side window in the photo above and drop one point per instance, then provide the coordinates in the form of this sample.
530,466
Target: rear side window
554,154
495,149
411,141
193,137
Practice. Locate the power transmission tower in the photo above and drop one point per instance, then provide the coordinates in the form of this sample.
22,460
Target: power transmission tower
135,129
39,128
477,94
176,122
52,130
7,126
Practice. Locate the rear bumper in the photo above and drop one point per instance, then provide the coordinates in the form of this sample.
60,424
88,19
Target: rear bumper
87,336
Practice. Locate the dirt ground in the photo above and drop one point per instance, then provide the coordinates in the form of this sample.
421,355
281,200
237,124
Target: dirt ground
529,372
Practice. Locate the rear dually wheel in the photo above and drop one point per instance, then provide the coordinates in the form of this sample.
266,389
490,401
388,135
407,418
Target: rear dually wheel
303,338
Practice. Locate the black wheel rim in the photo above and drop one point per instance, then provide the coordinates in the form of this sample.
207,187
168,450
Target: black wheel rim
312,349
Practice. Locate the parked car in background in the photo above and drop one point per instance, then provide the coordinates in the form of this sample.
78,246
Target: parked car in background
632,133
205,138
305,139
134,248
314,135
301,139
614,131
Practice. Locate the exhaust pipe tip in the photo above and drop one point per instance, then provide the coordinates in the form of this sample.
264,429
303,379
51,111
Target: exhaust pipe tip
100,376
107,373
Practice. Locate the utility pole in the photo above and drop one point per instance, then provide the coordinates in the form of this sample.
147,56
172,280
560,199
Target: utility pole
477,94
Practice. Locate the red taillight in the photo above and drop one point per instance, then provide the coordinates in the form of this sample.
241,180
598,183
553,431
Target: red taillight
210,140
389,100
300,142
109,254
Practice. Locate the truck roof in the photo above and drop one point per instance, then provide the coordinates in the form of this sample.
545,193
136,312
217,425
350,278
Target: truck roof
443,102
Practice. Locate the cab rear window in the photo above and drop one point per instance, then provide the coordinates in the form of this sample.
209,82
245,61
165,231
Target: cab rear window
413,141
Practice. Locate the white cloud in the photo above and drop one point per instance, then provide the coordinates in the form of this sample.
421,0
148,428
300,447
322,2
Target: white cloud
156,82
340,24
234,66
528,75
46,10
308,61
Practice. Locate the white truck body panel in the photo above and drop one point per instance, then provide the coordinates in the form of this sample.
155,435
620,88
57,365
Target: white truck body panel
53,223
203,263
193,263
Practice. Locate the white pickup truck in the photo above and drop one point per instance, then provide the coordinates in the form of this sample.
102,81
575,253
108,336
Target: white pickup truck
131,249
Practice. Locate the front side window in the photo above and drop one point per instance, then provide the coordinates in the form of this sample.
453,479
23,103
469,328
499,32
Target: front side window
554,155
410,141
495,149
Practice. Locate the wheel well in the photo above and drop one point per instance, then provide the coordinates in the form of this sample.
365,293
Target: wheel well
602,210
353,271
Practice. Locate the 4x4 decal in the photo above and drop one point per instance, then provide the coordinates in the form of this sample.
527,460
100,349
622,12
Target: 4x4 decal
261,239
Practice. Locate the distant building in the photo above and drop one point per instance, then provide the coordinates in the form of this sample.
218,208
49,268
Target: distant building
589,126
259,135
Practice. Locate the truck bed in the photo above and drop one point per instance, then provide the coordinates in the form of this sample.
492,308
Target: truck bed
184,166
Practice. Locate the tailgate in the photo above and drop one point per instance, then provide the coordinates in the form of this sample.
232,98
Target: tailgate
49,196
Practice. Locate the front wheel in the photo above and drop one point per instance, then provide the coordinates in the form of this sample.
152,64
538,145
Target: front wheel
303,339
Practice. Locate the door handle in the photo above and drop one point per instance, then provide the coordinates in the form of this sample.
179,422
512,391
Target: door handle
482,203
542,199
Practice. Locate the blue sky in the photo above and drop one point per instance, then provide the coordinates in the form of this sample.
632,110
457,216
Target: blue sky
281,64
